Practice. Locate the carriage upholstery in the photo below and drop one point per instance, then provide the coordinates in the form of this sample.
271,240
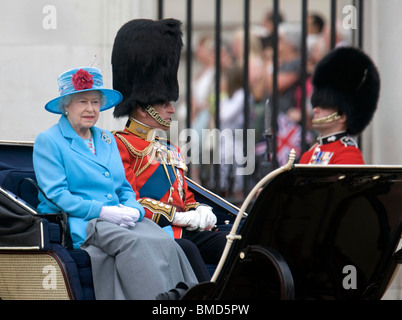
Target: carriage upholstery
73,267
33,263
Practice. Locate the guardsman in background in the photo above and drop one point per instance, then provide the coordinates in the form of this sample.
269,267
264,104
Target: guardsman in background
346,91
145,62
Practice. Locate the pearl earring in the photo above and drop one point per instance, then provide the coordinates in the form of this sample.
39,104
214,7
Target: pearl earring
66,113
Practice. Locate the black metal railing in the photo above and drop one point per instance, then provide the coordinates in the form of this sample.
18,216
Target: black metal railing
271,112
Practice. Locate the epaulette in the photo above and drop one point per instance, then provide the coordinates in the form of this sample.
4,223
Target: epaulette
348,141
119,132
343,137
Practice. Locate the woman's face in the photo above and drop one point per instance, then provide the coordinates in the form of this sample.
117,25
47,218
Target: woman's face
83,111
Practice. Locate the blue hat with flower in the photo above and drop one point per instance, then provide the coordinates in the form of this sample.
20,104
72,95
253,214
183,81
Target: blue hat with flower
81,80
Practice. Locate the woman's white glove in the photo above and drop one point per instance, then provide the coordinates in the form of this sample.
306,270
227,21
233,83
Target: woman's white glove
120,215
207,218
131,212
189,219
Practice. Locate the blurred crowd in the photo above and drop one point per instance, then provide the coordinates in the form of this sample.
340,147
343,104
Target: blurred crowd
260,81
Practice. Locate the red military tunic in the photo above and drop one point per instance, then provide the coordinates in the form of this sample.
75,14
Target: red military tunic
333,149
155,169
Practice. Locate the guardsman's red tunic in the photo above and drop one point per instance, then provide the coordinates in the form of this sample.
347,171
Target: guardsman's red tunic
333,149
155,169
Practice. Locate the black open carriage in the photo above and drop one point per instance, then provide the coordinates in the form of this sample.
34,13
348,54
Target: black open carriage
314,232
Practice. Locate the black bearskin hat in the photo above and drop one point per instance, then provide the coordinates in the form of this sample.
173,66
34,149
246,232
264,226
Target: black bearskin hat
348,80
145,61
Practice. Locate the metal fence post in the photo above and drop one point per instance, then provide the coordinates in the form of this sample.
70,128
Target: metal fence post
160,9
333,24
218,18
303,76
246,87
274,98
189,59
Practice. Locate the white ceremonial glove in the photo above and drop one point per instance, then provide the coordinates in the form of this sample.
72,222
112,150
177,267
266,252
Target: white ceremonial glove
117,215
131,212
189,219
207,218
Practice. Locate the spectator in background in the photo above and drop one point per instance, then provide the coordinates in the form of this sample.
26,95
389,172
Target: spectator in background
268,25
202,85
255,61
289,131
267,38
203,96
202,88
315,24
289,66
257,90
323,44
315,28
232,118
256,76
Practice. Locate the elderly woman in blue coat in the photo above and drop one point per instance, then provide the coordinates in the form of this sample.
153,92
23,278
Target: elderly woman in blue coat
79,168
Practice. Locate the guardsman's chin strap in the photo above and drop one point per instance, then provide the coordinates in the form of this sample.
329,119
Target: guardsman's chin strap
328,119
154,114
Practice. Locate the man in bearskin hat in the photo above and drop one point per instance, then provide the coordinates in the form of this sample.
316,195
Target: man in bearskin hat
346,91
145,61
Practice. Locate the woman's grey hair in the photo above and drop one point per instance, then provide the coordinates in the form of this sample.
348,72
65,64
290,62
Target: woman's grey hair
66,100
291,34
